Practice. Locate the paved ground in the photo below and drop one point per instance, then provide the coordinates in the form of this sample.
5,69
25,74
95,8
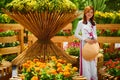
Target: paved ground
14,71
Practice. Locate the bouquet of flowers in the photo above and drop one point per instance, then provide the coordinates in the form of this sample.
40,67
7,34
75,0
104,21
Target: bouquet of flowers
54,69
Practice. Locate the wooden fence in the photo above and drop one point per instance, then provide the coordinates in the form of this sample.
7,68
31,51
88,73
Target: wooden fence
9,39
58,40
111,40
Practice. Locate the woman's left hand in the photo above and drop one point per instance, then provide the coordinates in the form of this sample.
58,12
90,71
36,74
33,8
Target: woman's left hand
94,40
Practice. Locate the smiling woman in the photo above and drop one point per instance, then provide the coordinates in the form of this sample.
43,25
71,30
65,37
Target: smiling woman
87,28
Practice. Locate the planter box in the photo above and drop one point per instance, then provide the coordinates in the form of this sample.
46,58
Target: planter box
9,39
10,50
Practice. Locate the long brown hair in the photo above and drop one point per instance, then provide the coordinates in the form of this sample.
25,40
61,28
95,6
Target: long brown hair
86,10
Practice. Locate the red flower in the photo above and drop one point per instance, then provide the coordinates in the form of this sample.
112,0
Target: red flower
113,67
1,30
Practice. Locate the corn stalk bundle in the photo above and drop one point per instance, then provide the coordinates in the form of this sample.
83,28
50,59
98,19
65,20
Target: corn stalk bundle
44,23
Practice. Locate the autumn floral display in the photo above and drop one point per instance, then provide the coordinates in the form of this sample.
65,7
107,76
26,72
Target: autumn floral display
25,6
113,67
54,69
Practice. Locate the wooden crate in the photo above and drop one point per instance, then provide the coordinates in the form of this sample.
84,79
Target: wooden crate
19,37
5,70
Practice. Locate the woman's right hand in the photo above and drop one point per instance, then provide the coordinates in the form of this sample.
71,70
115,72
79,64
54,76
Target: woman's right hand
91,41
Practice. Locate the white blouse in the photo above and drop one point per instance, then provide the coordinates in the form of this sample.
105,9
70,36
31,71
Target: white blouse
85,31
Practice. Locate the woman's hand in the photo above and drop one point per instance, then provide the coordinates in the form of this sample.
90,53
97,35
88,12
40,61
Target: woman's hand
91,41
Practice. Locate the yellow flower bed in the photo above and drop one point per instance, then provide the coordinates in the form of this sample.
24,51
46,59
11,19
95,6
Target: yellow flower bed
54,69
107,17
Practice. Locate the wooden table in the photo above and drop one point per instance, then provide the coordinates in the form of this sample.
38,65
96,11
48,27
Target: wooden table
5,70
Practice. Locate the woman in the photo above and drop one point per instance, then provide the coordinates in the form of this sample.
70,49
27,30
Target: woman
86,32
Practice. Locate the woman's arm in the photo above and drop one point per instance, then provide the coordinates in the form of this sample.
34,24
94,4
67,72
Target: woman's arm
79,33
95,32
78,30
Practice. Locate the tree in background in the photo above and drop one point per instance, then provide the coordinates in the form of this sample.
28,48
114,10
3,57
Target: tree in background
79,3
3,3
112,5
99,5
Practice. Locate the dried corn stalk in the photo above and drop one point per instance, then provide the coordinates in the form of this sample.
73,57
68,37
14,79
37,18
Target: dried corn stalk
44,26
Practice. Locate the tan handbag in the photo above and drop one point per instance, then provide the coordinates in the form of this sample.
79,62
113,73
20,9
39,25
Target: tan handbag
90,51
